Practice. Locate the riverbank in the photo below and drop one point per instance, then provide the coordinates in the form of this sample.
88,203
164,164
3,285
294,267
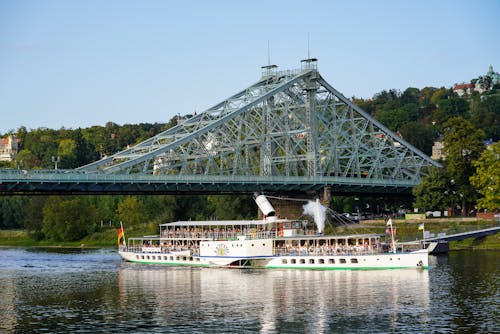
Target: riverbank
21,238
405,231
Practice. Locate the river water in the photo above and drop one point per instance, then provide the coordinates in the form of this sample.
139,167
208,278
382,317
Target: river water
93,291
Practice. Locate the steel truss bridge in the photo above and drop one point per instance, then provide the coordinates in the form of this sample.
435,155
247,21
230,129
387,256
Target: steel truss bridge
291,131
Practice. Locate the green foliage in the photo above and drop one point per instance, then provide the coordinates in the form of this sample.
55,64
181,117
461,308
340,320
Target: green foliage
463,144
131,211
393,119
228,207
419,135
434,192
486,115
487,178
12,212
68,219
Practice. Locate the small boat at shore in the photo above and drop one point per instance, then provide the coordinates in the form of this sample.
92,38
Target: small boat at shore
267,243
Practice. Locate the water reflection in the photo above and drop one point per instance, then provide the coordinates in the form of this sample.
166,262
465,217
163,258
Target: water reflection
93,291
272,301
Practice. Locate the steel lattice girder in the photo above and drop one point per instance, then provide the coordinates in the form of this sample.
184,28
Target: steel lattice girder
289,124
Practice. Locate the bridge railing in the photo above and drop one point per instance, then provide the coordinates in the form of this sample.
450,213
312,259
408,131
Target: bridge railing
62,175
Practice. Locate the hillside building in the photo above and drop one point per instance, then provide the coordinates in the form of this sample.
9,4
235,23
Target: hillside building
8,148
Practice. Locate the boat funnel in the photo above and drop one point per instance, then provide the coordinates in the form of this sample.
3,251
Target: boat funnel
264,206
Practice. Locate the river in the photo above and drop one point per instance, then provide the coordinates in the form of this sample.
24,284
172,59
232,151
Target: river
93,291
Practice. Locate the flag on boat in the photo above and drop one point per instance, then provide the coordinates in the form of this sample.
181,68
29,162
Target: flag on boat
389,222
120,233
421,226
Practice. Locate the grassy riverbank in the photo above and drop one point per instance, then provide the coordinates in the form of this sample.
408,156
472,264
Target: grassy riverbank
21,238
406,231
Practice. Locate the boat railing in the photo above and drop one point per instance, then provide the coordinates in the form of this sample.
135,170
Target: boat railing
220,235
323,251
160,249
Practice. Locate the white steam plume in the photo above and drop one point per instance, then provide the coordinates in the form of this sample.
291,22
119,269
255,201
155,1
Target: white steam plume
318,211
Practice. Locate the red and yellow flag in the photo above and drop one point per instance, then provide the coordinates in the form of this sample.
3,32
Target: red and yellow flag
120,234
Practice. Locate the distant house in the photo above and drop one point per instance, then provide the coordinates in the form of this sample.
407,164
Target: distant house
464,89
437,151
8,148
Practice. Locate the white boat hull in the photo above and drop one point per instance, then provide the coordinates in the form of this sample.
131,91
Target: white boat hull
416,259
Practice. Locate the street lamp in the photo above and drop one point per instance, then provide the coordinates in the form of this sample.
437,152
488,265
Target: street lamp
56,160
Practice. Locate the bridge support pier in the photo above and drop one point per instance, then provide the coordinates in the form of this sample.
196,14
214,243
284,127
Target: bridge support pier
327,196
439,247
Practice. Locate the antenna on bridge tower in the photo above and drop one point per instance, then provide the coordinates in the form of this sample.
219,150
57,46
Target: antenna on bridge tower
308,56
268,54
269,70
309,63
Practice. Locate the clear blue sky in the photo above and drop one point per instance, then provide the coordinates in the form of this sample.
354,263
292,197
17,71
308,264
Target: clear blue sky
80,63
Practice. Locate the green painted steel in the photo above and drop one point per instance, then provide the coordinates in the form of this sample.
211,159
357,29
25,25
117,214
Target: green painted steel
346,268
289,132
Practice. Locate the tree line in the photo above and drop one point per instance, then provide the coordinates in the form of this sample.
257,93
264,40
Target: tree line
467,181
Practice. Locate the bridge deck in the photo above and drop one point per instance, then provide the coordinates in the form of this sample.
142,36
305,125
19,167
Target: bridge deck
71,182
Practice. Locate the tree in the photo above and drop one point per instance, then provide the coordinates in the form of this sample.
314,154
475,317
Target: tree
486,115
33,220
131,211
449,108
485,82
232,207
420,136
486,179
434,192
463,144
67,152
393,119
12,212
68,219
29,160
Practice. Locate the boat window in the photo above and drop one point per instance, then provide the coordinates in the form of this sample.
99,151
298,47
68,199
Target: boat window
284,261
171,258
354,260
331,261
321,261
342,261
153,257
302,261
147,257
263,244
311,261
165,257
177,258
294,261
142,257
137,256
